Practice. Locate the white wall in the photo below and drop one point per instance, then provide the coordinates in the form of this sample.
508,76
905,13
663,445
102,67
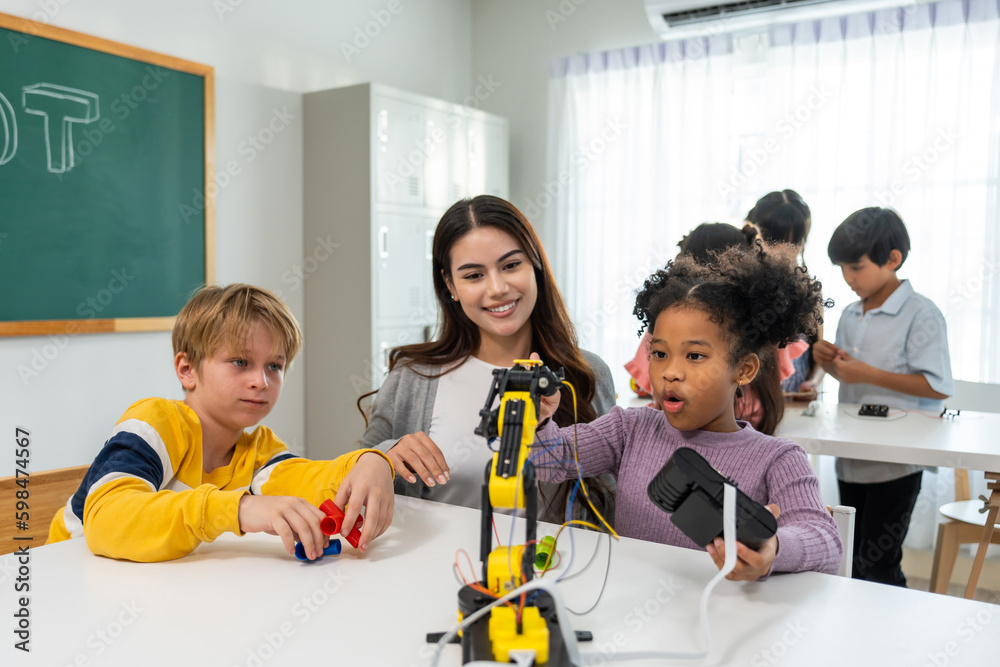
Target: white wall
265,56
514,41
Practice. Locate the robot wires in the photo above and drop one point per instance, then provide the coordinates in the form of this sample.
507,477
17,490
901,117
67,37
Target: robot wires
579,472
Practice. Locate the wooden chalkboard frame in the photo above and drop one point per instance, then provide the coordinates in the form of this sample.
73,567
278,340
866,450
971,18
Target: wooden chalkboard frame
76,326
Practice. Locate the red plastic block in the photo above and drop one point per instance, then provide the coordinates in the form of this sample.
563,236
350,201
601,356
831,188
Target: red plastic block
333,522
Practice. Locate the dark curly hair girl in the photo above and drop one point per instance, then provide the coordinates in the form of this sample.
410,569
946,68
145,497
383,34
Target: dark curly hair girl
759,298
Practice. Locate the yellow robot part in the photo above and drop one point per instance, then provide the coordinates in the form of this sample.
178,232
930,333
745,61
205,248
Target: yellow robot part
508,492
503,569
534,634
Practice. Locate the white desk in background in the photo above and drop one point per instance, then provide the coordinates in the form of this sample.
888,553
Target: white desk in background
971,440
244,601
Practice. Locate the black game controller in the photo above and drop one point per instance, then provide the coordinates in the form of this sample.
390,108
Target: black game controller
874,410
691,491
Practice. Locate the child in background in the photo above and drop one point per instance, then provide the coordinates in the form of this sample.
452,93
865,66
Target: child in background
784,217
175,474
709,325
891,349
700,243
761,403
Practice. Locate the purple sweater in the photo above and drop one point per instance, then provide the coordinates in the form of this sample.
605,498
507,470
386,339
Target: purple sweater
634,444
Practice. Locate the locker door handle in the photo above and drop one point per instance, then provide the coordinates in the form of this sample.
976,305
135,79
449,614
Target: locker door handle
429,246
383,242
383,126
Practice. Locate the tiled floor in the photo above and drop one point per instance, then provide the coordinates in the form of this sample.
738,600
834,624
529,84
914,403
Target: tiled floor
917,567
956,590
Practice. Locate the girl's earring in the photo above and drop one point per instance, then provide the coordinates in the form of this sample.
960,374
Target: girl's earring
454,297
739,389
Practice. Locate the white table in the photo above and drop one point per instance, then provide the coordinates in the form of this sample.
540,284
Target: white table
970,440
243,601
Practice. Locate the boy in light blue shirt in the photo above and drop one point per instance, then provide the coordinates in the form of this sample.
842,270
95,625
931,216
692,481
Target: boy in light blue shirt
891,349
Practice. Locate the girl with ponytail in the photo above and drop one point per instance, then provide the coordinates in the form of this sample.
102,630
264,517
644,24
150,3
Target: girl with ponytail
710,325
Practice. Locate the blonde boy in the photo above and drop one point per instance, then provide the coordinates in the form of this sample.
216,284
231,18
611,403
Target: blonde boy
175,474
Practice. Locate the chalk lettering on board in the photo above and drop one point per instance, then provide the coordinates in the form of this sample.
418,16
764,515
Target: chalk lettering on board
61,107
9,123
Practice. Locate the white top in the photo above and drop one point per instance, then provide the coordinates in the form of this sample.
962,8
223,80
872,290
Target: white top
244,601
907,335
453,422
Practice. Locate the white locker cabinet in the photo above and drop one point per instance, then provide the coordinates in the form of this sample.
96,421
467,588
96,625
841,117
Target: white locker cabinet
380,166
400,141
405,294
390,337
445,168
496,143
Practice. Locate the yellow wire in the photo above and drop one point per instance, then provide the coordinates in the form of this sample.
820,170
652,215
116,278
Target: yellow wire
579,474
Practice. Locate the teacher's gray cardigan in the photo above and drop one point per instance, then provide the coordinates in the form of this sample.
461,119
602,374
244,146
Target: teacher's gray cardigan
404,405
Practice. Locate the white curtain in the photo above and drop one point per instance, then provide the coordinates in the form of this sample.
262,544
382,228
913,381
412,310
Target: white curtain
897,108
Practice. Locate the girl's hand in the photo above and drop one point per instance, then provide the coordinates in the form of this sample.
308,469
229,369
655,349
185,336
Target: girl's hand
368,485
417,453
547,404
750,565
291,518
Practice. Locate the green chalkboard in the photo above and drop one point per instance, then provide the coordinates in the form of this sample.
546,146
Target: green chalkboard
103,163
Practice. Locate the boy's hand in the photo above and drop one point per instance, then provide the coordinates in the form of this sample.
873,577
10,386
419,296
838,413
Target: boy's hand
291,518
368,485
750,565
417,453
850,370
547,404
824,353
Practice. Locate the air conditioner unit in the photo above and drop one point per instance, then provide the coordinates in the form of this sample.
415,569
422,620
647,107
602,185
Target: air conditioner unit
676,19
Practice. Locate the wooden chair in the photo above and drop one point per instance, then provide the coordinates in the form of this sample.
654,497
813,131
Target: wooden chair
48,492
967,518
843,516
